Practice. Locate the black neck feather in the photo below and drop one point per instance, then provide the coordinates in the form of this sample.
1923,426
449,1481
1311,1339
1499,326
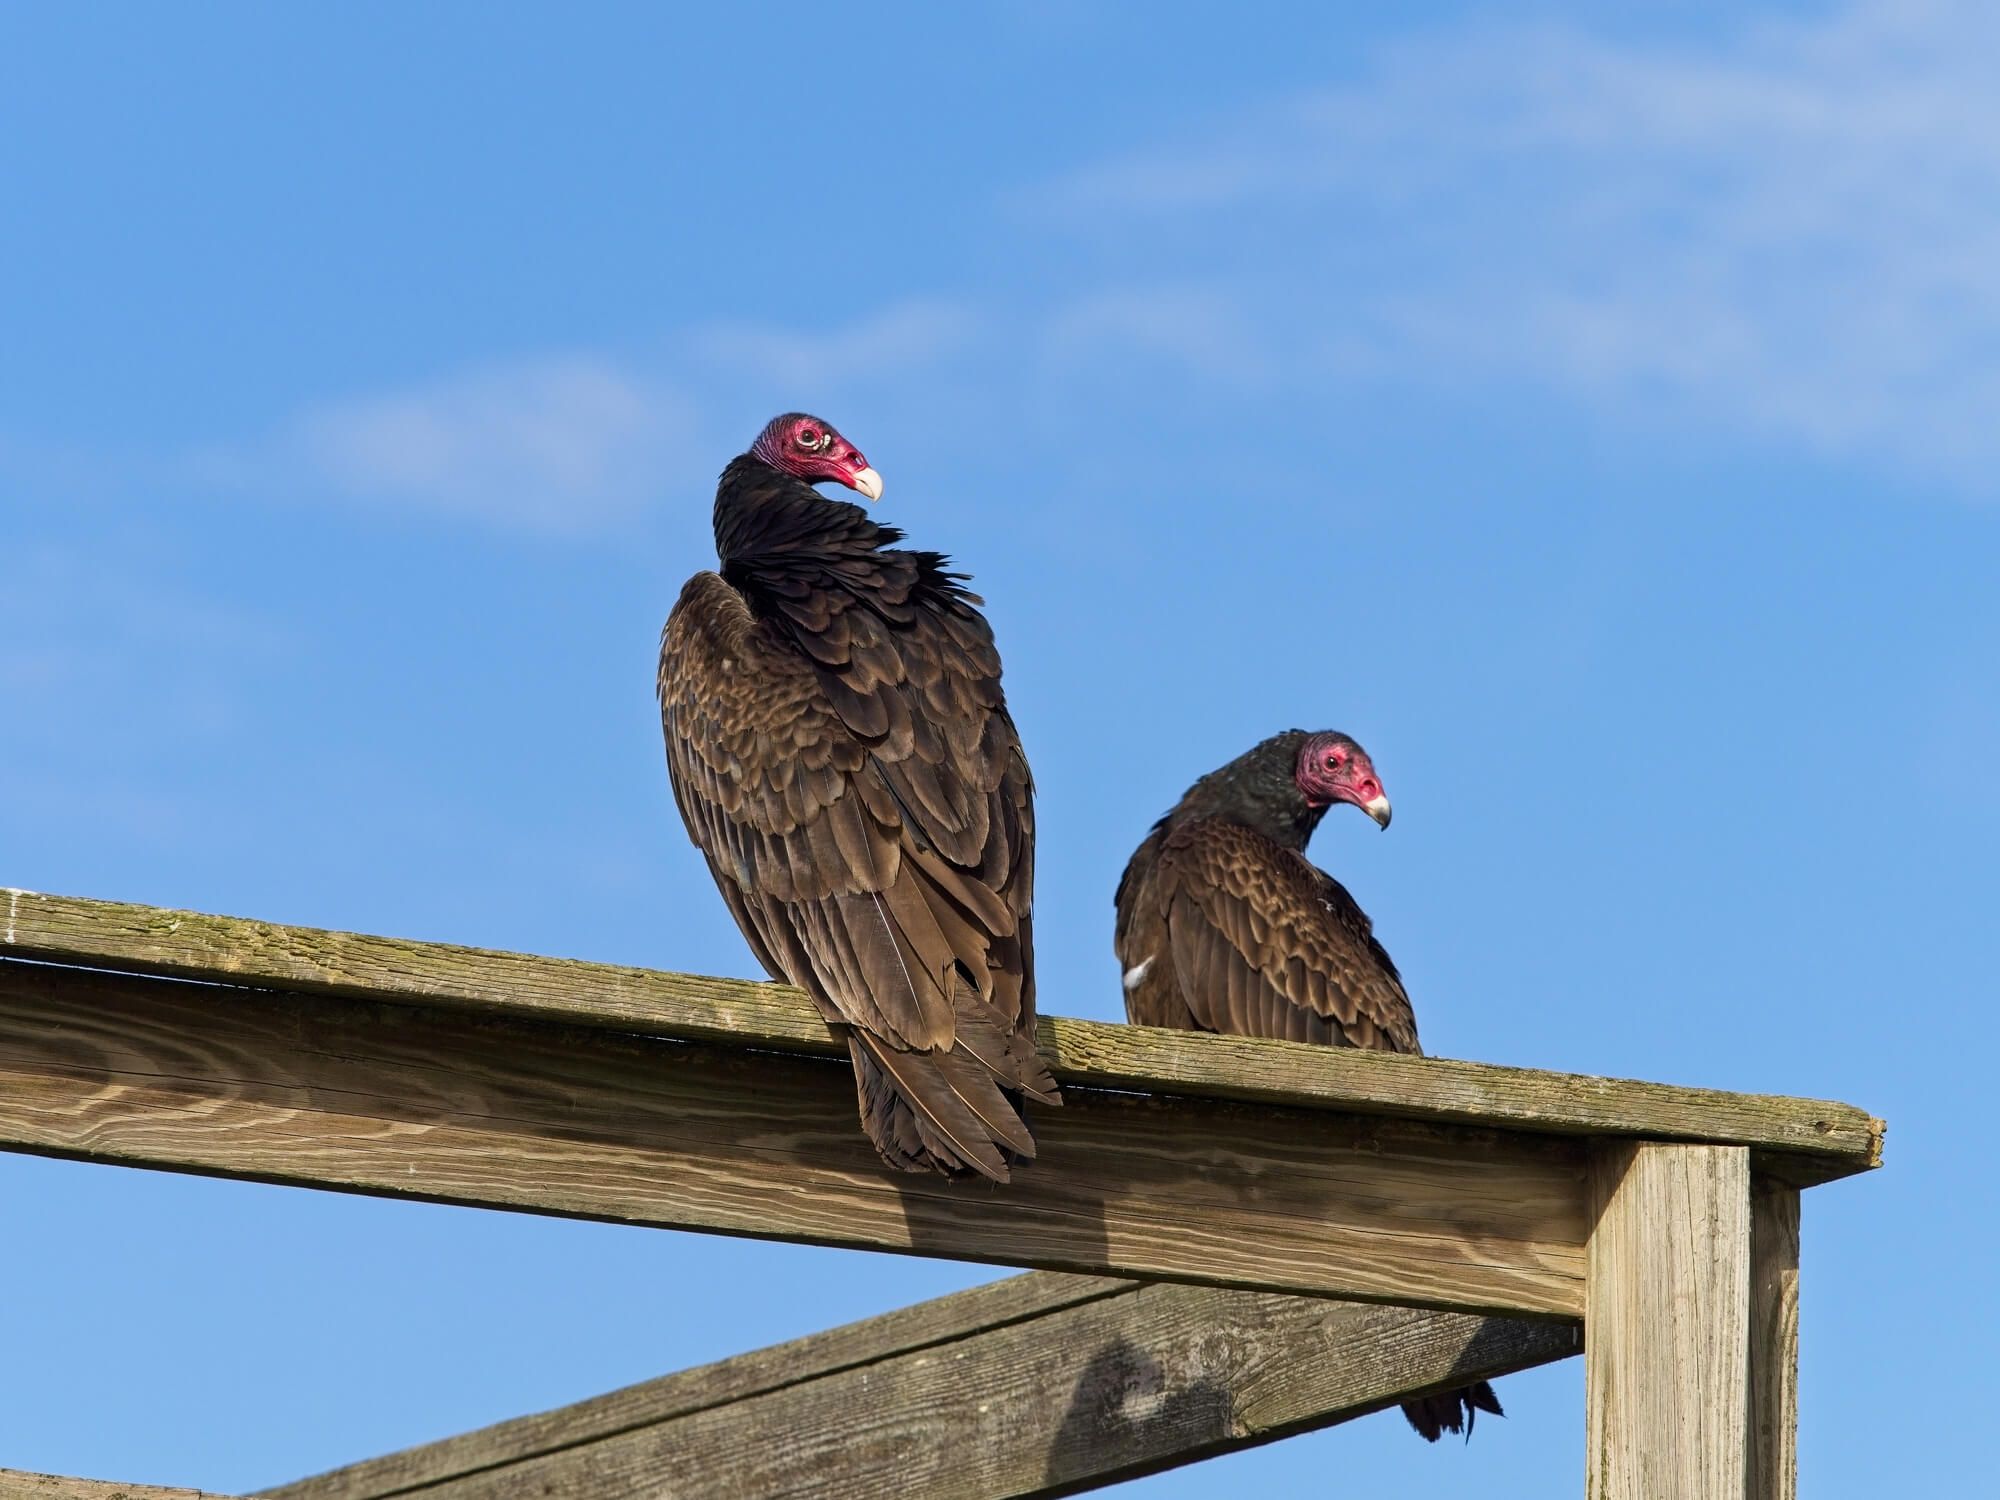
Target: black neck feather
780,539
760,510
1259,791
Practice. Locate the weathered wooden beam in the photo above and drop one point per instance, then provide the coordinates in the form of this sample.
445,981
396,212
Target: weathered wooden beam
1774,1340
1042,1385
18,1484
405,1101
943,1323
1803,1140
1667,1370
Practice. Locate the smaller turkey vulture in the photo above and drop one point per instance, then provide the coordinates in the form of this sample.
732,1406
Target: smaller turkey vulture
1224,925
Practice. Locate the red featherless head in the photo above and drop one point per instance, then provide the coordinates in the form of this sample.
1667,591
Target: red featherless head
812,450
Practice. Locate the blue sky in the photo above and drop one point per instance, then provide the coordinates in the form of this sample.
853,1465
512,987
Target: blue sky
1589,409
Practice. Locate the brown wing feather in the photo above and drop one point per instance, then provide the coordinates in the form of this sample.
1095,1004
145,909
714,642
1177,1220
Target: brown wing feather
1251,939
1145,961
883,868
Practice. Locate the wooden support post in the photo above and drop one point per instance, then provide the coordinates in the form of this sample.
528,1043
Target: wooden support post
1667,1318
1774,1340
1041,1385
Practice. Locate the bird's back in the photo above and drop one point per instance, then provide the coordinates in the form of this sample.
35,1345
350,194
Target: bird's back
1221,929
841,752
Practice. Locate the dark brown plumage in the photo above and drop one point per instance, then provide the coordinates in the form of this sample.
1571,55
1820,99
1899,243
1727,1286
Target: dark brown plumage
1224,925
842,755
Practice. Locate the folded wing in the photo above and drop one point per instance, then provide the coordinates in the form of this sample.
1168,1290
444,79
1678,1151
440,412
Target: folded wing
849,770
1250,939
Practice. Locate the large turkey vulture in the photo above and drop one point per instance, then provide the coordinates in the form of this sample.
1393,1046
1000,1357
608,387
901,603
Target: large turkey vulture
1224,925
841,752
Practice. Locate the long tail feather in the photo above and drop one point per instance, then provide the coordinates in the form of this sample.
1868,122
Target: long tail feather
954,1138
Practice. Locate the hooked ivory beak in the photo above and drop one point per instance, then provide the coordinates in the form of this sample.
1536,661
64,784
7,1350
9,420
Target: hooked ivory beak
869,483
1378,810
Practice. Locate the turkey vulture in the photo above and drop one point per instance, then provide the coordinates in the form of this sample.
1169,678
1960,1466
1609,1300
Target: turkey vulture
841,753
1223,925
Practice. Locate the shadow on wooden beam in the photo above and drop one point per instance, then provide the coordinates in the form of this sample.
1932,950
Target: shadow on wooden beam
1041,1385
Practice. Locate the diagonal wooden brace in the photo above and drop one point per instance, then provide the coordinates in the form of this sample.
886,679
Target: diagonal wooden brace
1040,1385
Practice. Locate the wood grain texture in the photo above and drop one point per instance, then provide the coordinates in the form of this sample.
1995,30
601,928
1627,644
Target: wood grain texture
962,1316
1089,1389
404,1101
1774,1341
1804,1141
1666,1382
18,1484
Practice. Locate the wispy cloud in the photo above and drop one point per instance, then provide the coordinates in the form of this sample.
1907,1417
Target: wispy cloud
573,443
567,443
1796,233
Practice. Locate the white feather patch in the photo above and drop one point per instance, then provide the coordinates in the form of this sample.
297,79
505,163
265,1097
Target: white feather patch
1136,975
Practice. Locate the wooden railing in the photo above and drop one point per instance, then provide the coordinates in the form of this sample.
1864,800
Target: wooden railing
1493,1208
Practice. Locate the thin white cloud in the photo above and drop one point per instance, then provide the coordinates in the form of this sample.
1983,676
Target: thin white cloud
1796,233
568,443
574,443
